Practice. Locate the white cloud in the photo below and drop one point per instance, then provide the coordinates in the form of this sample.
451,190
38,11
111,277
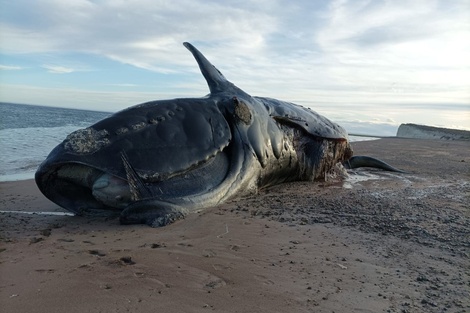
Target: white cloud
10,68
141,33
56,69
123,85
74,98
383,33
334,52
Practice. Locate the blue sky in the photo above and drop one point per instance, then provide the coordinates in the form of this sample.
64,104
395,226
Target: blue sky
390,59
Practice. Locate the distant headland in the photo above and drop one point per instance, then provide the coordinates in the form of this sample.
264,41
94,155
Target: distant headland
430,132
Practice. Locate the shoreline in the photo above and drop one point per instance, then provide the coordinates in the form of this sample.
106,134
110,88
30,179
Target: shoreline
17,177
387,242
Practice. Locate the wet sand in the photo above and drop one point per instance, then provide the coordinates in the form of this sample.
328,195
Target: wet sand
376,242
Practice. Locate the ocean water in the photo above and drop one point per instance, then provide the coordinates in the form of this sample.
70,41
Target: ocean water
28,133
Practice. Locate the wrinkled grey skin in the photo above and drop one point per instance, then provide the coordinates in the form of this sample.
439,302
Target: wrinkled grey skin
155,162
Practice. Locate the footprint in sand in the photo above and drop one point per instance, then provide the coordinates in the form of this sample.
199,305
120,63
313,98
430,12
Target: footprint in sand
199,278
215,283
221,267
208,253
96,252
264,280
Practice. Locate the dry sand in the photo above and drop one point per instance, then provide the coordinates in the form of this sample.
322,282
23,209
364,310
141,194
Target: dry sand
377,242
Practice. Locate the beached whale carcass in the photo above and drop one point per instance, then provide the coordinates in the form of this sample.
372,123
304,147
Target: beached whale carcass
155,162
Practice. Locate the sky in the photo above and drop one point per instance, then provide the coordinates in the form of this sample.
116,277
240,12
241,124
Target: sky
372,61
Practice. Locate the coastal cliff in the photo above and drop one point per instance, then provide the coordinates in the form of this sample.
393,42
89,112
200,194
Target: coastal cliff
430,132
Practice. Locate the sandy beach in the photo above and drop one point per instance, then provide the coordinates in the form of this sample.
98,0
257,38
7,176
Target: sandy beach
375,242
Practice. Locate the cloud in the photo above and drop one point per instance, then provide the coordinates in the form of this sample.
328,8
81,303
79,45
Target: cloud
55,69
66,69
142,33
310,51
108,101
395,34
10,68
124,85
148,34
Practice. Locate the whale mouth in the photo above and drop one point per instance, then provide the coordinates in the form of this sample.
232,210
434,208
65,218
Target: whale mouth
86,190
70,185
